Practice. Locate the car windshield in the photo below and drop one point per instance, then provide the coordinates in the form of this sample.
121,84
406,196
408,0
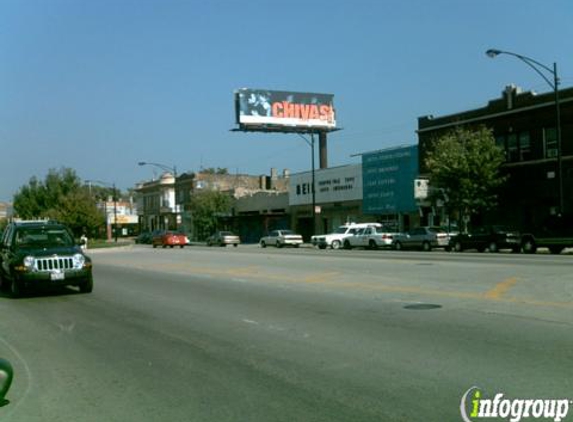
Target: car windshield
286,232
41,237
226,234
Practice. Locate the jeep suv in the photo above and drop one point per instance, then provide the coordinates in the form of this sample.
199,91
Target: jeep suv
42,254
336,240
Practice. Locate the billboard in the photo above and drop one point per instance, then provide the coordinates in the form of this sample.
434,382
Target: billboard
260,109
388,180
335,184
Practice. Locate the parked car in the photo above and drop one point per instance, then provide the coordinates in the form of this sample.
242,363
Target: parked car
555,234
42,254
493,238
372,237
280,238
223,238
169,238
335,240
424,238
144,238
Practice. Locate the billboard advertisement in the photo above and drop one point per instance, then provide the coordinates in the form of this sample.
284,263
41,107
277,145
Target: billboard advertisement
275,110
388,180
336,184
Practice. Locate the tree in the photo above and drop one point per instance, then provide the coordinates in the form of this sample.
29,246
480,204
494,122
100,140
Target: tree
62,197
464,169
206,207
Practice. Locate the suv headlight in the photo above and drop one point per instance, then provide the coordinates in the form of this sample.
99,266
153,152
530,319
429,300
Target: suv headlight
79,260
28,262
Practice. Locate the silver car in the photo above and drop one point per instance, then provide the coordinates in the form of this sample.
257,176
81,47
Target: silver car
223,238
424,238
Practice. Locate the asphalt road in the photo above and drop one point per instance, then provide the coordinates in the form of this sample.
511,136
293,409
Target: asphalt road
245,334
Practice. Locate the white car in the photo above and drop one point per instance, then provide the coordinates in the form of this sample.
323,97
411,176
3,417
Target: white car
370,237
336,240
280,238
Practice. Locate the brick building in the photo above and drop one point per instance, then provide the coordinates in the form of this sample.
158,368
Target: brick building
524,125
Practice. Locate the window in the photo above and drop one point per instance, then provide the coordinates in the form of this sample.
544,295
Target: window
550,142
500,142
512,148
524,146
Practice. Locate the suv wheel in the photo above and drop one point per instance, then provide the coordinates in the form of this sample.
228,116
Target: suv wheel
458,246
372,244
263,244
336,244
398,246
88,285
426,247
279,244
529,246
347,245
16,289
493,247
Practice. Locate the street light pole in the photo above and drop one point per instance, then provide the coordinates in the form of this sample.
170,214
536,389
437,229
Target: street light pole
538,67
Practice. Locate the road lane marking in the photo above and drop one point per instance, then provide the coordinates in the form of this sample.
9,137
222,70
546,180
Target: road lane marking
320,277
500,289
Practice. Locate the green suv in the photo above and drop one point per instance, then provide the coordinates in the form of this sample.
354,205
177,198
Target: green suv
42,254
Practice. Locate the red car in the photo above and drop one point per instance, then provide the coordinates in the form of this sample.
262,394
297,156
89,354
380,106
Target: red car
170,239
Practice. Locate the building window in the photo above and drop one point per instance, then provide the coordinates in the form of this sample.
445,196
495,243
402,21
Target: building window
512,148
500,142
550,142
524,146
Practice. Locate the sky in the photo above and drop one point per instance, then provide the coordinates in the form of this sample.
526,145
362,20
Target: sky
100,85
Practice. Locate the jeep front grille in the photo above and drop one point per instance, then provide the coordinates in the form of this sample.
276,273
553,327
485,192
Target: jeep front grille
54,263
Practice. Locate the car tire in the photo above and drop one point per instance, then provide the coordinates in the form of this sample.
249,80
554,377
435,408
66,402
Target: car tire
528,246
88,285
181,246
493,248
398,246
481,249
263,244
321,246
347,245
556,250
154,246
372,244
426,247
278,245
458,247
336,244
235,245
16,289
296,245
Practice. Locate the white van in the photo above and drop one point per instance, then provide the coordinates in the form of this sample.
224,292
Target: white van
336,240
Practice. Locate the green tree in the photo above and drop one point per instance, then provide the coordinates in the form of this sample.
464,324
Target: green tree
60,196
464,167
206,207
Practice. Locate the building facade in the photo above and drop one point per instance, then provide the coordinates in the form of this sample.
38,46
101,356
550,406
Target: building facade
524,125
338,199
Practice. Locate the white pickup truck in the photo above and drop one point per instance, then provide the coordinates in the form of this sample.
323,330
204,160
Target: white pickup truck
336,240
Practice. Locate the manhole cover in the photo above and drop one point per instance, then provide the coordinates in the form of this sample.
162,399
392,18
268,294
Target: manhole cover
422,306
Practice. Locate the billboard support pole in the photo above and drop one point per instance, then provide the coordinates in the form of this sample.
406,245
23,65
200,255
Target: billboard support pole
313,189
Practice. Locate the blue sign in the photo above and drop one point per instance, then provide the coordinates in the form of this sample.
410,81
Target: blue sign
388,180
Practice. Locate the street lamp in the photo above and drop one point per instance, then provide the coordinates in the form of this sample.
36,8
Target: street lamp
539,68
312,189
112,185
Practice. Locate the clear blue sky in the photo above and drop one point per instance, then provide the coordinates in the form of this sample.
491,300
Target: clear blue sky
98,85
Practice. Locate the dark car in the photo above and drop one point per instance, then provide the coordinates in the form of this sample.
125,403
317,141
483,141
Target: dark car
42,254
493,238
144,238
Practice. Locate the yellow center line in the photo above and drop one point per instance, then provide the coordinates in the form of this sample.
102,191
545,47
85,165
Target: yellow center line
500,289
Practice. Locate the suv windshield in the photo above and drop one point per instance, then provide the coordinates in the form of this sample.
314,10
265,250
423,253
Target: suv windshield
43,236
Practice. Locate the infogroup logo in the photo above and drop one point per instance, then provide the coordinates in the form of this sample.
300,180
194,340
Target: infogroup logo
474,407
